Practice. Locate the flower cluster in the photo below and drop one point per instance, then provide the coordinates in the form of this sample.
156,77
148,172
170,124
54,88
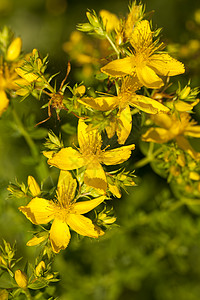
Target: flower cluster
131,104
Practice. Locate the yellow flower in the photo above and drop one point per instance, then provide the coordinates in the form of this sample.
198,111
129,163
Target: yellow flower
127,97
64,212
91,156
144,63
9,80
173,127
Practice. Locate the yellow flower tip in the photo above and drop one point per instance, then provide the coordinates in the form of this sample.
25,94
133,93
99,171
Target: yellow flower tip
30,77
2,262
36,240
33,186
110,21
40,268
99,231
114,190
194,176
48,154
14,49
21,279
4,101
80,90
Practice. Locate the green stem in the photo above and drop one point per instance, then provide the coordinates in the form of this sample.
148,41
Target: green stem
148,158
29,141
113,45
41,167
28,295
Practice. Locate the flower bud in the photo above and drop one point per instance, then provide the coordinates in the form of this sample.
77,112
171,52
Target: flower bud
14,49
80,90
21,279
194,176
2,262
185,92
40,268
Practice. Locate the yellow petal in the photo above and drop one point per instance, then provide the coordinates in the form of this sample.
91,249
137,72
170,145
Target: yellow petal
67,159
39,211
88,137
14,49
147,104
37,239
142,36
85,206
59,235
48,154
148,77
111,128
193,131
157,135
114,190
182,106
124,124
117,156
30,77
163,64
3,102
100,103
66,187
82,225
95,177
185,145
33,186
120,67
163,120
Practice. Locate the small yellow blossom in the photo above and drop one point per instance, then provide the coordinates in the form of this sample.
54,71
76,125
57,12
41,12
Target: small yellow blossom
144,63
127,97
173,127
9,80
21,279
91,156
64,212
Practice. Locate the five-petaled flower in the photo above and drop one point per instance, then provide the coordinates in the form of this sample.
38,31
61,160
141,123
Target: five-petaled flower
173,127
144,62
89,155
127,97
65,212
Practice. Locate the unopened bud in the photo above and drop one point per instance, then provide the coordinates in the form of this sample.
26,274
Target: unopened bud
40,268
14,49
21,279
185,92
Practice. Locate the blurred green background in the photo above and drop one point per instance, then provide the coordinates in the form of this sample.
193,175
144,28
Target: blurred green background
154,253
